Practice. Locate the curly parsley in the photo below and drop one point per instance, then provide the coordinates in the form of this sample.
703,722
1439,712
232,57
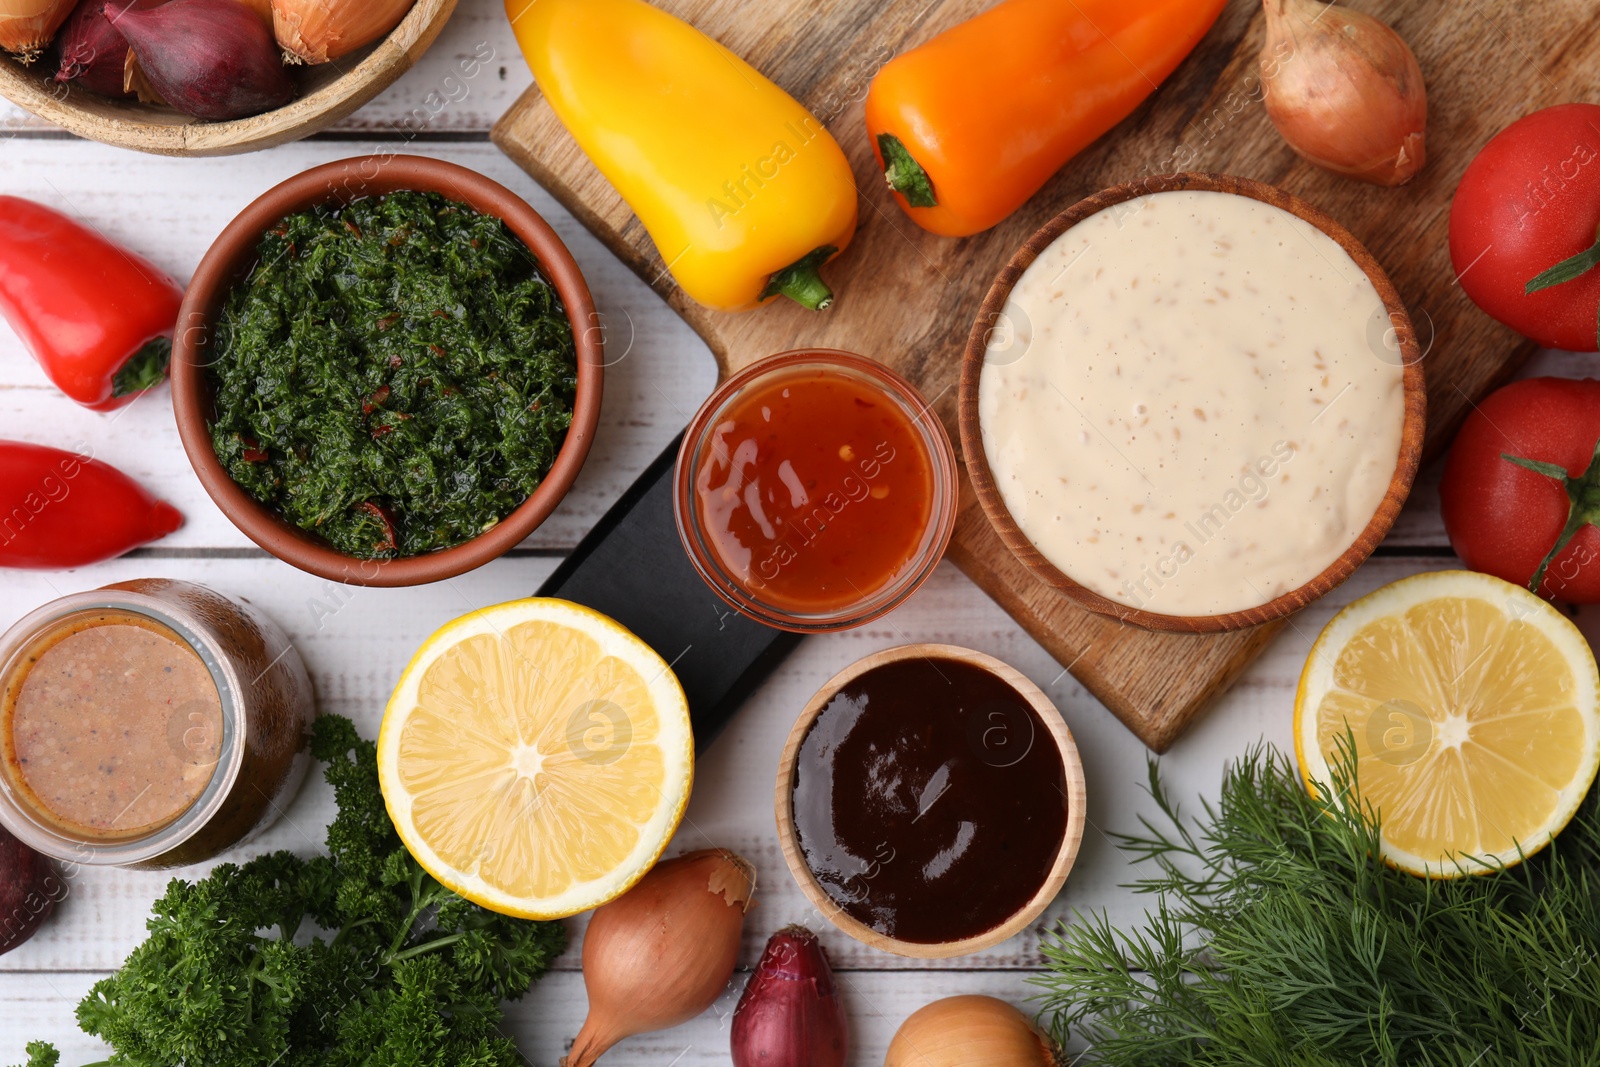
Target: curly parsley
391,968
395,375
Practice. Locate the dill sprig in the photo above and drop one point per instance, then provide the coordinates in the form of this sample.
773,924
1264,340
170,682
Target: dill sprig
1278,936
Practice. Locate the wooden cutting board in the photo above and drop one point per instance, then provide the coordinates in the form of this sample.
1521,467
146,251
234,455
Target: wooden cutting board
909,298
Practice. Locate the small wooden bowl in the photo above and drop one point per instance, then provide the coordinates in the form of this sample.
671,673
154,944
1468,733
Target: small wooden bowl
994,506
328,93
1072,767
230,260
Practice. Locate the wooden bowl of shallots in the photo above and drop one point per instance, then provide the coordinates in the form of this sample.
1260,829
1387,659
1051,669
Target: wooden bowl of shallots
202,80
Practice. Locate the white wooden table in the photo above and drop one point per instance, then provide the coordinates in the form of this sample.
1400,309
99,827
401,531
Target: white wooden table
356,640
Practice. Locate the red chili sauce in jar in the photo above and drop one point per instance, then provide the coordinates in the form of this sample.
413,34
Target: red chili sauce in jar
816,490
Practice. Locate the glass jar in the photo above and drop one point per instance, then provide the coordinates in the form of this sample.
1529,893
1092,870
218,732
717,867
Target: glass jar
151,723
802,512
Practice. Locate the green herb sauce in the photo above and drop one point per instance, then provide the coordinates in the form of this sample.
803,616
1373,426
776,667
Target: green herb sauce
395,375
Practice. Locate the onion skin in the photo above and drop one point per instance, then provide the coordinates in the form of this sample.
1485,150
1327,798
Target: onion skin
29,890
316,31
93,54
263,10
663,952
790,1014
1345,91
969,1031
28,26
212,59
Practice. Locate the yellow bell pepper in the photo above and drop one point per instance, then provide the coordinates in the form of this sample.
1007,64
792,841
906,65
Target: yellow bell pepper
743,191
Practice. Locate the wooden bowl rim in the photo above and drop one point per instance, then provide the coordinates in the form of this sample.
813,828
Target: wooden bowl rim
231,256
1411,434
96,117
1072,768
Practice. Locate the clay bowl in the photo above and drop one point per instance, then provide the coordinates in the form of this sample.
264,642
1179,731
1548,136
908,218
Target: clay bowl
1071,765
328,93
983,481
230,259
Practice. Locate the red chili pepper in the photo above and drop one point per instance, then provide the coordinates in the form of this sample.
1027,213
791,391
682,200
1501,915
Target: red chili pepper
97,317
385,520
60,509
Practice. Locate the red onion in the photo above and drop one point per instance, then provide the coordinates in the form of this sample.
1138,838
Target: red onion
212,59
93,53
790,1014
29,889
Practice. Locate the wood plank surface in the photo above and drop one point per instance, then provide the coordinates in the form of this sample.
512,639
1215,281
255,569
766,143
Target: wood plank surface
908,297
171,209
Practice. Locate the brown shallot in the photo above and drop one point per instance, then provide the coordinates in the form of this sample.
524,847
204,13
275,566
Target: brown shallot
316,31
27,26
663,952
969,1031
790,1014
1344,90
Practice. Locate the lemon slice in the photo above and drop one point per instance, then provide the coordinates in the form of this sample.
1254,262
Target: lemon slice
536,757
1472,704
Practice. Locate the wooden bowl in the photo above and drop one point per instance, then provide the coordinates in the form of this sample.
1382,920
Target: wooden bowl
230,260
994,505
1072,767
328,93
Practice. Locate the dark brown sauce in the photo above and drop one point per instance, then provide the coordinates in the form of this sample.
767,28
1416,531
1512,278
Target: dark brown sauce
930,800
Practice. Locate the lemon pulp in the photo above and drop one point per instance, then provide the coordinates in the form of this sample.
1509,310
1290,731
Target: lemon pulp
1472,707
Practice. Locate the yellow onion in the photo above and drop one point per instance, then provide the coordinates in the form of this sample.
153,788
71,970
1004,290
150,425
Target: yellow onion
969,1031
1344,90
315,31
663,952
27,26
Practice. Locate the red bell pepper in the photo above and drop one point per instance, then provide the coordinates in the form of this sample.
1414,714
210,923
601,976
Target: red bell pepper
97,317
60,509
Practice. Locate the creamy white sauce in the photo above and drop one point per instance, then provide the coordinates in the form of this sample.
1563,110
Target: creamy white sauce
1193,404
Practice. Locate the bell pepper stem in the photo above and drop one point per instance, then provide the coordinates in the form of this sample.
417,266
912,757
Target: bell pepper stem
1583,503
1565,271
904,174
800,282
145,368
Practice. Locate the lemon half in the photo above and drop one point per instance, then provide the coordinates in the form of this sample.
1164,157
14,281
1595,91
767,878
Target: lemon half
1472,704
536,757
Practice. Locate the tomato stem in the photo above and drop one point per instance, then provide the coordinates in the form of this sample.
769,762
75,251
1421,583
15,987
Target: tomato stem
1583,503
904,174
1565,271
800,282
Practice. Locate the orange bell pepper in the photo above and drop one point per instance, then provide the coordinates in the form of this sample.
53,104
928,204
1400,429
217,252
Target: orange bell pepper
969,125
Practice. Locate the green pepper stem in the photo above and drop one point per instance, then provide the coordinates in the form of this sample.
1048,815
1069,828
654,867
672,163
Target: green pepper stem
904,174
1583,503
801,282
145,368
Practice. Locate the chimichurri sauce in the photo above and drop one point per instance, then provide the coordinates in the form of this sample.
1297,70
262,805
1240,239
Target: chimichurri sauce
395,375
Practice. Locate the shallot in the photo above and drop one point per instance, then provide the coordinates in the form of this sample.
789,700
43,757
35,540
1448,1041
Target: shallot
1345,91
661,953
212,59
93,54
316,31
969,1031
27,26
790,1014
29,889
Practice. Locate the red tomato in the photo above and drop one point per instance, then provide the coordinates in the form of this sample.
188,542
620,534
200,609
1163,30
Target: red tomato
1530,200
1504,519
